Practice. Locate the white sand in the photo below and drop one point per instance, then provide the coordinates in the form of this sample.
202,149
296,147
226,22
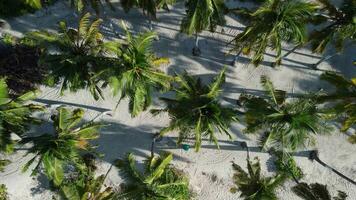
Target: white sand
134,135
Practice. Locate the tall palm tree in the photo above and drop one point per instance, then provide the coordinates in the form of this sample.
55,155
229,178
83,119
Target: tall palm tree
339,29
288,125
252,185
77,65
55,151
15,116
316,191
149,7
202,15
158,181
135,73
275,22
343,99
196,109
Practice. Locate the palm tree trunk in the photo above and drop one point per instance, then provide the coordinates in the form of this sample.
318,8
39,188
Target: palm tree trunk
315,66
291,51
196,50
234,61
245,146
154,140
150,22
314,156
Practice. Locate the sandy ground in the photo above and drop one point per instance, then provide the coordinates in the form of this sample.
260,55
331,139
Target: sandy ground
209,170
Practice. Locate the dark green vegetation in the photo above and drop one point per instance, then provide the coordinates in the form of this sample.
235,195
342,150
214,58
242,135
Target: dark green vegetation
81,58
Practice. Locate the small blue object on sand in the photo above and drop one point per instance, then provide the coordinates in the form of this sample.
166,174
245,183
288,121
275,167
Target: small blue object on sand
185,147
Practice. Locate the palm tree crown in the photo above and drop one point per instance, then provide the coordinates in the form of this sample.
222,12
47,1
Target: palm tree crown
196,109
159,181
276,21
289,125
135,72
15,116
58,150
316,191
252,185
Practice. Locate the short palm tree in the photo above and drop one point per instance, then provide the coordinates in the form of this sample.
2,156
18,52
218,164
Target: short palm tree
202,15
62,148
15,116
252,185
87,187
196,109
159,181
275,22
344,99
316,191
149,7
76,65
135,73
340,27
288,125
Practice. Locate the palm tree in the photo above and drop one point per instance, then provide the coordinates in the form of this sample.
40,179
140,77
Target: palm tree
196,109
3,192
252,185
149,7
81,5
343,99
316,191
56,151
340,27
3,164
202,15
87,187
135,73
77,65
15,116
158,181
275,22
288,125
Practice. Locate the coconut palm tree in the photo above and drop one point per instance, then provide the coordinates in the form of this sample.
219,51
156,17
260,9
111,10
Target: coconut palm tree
196,109
149,7
288,125
158,181
343,100
339,29
55,151
77,63
3,164
15,116
202,15
252,185
135,73
275,22
316,191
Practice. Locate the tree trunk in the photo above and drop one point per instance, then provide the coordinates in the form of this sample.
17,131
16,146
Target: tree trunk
196,50
315,66
156,138
291,51
234,61
150,22
314,156
245,146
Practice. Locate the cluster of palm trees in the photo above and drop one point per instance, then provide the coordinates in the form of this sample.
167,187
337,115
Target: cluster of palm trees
80,58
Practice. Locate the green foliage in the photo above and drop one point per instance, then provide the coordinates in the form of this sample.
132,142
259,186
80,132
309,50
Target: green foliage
149,7
13,8
158,181
3,164
288,125
344,99
287,166
196,109
3,192
316,191
275,22
339,26
86,187
15,116
79,61
202,15
252,185
82,5
62,148
135,72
